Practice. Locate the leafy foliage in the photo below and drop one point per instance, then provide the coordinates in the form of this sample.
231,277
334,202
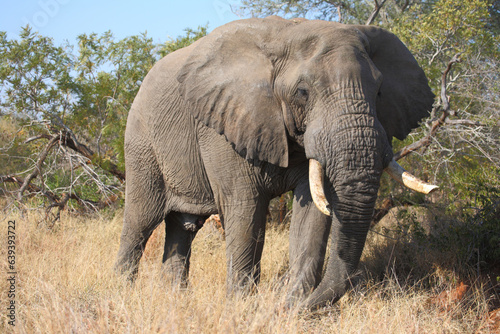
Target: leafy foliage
109,75
183,41
81,94
89,88
35,75
348,11
464,157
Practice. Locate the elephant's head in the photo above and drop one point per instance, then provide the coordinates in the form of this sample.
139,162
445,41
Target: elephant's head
340,93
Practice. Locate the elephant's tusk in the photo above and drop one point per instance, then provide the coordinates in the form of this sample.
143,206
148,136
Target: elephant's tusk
399,174
316,185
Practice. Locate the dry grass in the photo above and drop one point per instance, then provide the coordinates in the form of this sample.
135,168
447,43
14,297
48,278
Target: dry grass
66,284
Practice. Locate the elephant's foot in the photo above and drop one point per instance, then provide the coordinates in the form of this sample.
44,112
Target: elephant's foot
127,267
329,291
175,274
241,284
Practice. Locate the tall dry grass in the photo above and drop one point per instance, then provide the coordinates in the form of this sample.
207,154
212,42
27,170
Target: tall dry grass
66,284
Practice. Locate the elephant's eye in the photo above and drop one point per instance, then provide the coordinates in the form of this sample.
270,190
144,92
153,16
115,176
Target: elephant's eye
302,94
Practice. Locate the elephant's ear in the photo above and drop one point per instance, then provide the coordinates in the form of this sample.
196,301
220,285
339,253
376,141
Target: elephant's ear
227,82
405,97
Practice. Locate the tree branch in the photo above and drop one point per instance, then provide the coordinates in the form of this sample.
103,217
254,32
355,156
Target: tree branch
69,141
31,187
61,135
42,136
465,122
375,12
38,166
67,138
57,201
436,124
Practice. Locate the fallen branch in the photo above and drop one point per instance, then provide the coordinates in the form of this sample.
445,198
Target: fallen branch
57,201
38,166
59,135
30,187
68,139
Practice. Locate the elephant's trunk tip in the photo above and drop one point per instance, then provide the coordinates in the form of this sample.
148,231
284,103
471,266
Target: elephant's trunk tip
408,180
316,186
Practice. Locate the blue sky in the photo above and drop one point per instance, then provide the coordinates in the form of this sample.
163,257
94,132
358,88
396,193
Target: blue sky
66,19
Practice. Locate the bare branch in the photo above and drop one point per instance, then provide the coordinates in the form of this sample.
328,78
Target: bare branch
68,139
436,124
339,13
31,187
404,7
60,202
63,136
465,122
375,12
444,98
38,166
42,136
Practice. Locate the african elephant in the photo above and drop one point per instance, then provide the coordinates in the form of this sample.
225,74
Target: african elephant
257,108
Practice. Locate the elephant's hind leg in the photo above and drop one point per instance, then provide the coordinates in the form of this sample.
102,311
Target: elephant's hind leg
180,230
145,201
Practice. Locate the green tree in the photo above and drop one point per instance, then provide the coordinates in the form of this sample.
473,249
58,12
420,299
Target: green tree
65,108
464,155
183,41
348,11
108,76
34,76
451,28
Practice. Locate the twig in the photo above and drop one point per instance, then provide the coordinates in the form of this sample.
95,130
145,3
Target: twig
465,122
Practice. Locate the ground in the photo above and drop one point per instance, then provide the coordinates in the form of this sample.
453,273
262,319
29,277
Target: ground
66,284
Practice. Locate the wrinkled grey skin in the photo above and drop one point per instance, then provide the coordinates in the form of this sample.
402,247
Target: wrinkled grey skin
230,122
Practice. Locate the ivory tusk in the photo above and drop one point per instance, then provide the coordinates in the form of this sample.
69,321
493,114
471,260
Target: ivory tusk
399,174
316,186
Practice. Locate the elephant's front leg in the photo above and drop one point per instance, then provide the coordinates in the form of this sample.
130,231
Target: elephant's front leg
309,231
244,224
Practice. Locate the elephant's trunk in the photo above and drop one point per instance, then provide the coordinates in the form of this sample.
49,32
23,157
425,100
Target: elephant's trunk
353,148
353,201
397,172
351,211
353,168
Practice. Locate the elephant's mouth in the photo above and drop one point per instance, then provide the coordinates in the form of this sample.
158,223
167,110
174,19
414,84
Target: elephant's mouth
393,169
